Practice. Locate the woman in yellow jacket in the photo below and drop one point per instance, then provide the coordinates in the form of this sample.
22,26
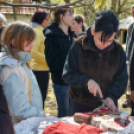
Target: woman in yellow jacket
40,20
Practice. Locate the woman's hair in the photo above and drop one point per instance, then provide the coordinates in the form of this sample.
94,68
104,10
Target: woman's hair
62,10
17,33
3,18
80,18
39,16
107,22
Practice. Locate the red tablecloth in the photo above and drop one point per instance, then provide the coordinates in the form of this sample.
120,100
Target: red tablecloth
66,128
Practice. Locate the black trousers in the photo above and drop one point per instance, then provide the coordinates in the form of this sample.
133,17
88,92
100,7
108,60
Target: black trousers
43,80
132,113
77,107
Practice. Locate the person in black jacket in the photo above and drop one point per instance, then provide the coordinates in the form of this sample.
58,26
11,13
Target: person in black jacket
6,125
130,38
132,81
59,39
129,51
96,63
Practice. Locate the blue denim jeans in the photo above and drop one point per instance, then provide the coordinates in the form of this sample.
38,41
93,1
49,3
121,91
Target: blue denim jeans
63,101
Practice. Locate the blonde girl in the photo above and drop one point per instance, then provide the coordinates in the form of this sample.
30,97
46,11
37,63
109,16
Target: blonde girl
19,83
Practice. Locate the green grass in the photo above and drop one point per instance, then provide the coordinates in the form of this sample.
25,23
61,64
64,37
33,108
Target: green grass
50,103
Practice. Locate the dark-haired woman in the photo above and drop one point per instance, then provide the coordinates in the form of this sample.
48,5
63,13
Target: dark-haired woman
40,20
79,25
96,63
59,39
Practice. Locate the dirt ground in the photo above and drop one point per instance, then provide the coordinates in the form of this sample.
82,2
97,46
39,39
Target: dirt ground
51,105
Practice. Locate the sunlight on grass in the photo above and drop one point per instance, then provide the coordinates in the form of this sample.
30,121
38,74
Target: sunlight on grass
124,46
50,103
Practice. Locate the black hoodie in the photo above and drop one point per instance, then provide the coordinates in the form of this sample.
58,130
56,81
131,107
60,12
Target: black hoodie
57,45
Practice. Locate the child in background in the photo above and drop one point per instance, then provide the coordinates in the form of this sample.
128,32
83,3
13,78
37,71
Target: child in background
19,83
79,25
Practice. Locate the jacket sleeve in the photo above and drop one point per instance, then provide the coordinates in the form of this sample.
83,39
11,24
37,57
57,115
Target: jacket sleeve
132,71
14,91
71,74
120,80
5,117
129,41
36,54
54,58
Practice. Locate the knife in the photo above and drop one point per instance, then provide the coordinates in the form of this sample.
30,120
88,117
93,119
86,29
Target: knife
103,101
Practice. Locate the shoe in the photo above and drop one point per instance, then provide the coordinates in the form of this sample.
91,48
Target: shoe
126,104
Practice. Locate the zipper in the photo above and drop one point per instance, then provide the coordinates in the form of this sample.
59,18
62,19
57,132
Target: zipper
29,85
100,56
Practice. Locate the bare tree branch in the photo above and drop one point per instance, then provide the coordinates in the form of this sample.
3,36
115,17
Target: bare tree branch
122,11
119,3
123,3
47,6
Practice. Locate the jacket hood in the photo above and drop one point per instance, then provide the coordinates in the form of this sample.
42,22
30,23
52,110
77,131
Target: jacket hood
11,62
55,30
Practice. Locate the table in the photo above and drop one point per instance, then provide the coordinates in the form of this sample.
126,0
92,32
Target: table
36,125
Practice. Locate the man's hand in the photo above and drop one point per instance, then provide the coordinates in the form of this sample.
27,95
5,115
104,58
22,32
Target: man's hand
127,63
132,96
94,88
111,104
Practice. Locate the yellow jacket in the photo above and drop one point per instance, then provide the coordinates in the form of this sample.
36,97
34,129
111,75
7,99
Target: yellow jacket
38,57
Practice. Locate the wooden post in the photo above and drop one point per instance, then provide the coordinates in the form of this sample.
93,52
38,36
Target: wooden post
14,14
122,36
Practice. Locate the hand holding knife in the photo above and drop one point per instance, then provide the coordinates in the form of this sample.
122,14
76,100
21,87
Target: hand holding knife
103,101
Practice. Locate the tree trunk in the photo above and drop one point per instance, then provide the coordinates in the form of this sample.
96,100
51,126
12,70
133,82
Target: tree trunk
14,14
47,1
67,1
113,5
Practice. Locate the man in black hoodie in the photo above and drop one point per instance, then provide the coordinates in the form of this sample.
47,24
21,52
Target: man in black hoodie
130,38
129,51
59,39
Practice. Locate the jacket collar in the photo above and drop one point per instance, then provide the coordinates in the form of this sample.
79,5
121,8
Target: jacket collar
24,56
34,24
12,62
55,30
